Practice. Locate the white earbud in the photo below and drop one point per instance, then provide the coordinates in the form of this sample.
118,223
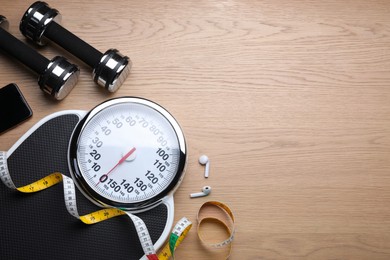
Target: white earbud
204,160
205,191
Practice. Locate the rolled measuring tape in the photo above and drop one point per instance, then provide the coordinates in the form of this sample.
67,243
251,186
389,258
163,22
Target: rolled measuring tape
176,237
216,212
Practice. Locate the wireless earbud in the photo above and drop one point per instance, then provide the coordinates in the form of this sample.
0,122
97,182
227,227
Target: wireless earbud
204,160
205,191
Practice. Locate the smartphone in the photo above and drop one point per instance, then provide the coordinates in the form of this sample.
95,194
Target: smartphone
14,109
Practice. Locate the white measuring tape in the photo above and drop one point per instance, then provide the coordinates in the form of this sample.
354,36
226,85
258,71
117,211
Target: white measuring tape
177,235
210,211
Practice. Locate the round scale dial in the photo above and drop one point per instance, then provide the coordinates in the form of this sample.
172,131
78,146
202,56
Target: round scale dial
128,153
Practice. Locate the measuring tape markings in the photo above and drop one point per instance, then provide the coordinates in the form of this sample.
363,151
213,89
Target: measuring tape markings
71,204
178,234
217,211
4,175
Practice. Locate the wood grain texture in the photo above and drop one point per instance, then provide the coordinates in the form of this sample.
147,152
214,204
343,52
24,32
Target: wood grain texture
289,99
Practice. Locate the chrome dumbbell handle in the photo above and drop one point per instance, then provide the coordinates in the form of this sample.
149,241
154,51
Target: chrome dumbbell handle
57,77
40,23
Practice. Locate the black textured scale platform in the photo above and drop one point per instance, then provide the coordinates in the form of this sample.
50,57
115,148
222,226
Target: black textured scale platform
38,226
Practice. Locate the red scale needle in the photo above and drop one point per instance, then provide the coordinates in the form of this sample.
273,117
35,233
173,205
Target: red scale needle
119,162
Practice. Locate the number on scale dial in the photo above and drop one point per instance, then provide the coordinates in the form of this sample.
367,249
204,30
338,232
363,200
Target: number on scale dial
128,152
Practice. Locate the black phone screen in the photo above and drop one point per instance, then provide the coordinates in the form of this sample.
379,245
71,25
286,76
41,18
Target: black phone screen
13,107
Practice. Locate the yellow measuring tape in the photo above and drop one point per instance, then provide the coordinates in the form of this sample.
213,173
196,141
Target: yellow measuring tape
176,237
56,178
211,211
216,212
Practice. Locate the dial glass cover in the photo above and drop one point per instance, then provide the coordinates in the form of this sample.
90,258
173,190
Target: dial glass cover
128,152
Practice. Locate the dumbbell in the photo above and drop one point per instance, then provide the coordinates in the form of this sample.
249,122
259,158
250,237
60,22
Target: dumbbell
57,77
40,23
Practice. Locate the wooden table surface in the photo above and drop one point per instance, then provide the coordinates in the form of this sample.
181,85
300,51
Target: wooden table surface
289,99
